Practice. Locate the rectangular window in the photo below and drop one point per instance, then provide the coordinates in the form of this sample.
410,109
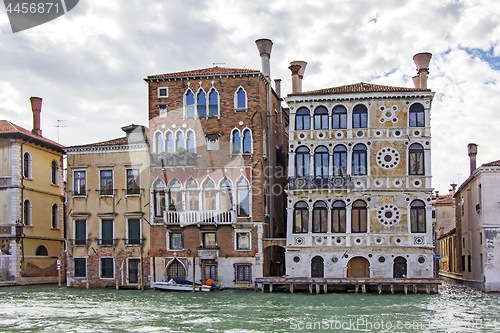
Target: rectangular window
133,270
176,241
106,187
134,232
107,268
79,183
469,263
481,238
162,92
209,239
106,232
243,241
243,273
481,262
210,269
463,263
80,269
162,111
133,184
80,232
159,202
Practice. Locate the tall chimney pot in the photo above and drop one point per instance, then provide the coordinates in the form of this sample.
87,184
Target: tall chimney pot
301,72
416,81
265,46
277,87
472,149
295,78
36,108
422,61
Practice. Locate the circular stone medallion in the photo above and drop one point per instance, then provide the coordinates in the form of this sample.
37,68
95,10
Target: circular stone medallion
388,215
388,158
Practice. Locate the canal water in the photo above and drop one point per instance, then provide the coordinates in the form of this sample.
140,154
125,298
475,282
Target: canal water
52,309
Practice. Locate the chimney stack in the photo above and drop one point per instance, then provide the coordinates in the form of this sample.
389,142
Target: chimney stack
422,61
36,108
277,87
472,149
453,189
265,45
298,68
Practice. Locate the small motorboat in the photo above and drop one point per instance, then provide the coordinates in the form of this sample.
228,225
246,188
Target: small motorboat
176,284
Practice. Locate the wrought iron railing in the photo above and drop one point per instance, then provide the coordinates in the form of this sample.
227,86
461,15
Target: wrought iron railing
312,182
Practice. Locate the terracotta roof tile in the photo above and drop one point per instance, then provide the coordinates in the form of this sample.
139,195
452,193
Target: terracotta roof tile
206,71
494,163
7,128
114,142
360,87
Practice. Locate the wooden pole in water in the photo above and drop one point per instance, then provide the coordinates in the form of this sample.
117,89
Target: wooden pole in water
193,275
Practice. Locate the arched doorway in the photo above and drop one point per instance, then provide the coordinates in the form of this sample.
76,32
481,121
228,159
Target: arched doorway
274,259
399,268
317,267
358,267
175,269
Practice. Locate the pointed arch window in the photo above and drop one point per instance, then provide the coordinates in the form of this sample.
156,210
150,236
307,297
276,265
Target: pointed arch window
417,115
236,141
175,200
176,270
300,218
302,161
213,103
320,219
320,118
54,173
359,160
339,160
27,165
201,103
192,195
247,142
243,198
417,217
360,116
169,140
180,140
55,216
338,217
159,142
416,159
190,142
339,117
302,119
159,198
190,103
241,99
359,216
226,195
27,212
209,195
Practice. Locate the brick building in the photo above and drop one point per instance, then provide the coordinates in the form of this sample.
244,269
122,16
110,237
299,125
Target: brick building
218,143
359,195
108,207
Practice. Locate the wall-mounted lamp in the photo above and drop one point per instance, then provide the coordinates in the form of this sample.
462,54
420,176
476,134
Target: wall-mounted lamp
189,252
161,252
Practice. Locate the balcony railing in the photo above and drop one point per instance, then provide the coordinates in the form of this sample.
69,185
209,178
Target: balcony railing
200,217
312,182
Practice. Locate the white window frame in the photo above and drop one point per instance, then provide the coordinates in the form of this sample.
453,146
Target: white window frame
140,271
208,103
57,173
28,218
73,181
236,108
74,232
242,138
126,182
30,164
100,231
243,231
169,246
112,183
80,277
100,269
160,89
52,214
140,231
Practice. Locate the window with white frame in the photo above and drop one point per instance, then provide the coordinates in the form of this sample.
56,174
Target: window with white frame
159,142
162,92
79,182
201,103
80,232
159,198
213,103
54,174
243,241
55,216
243,198
175,241
107,268
107,232
189,103
247,142
226,195
133,231
192,195
169,142
79,267
27,165
133,184
235,142
27,213
106,182
240,99
191,144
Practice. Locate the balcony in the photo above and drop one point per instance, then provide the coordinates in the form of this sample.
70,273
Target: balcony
311,182
173,159
200,217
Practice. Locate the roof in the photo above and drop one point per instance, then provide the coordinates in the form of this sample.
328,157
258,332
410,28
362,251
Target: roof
360,87
114,142
494,163
8,129
443,200
206,71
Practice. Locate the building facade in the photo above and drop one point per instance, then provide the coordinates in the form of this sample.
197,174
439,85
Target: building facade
359,190
108,208
32,197
218,140
477,249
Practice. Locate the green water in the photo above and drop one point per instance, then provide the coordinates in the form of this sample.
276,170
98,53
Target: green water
50,309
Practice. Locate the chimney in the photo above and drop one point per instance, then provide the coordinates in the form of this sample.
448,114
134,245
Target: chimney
422,61
277,87
265,45
453,189
472,149
437,195
302,69
36,108
416,81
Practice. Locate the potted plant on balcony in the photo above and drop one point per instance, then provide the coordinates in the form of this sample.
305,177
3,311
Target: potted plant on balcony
154,159
163,158
235,152
180,154
191,158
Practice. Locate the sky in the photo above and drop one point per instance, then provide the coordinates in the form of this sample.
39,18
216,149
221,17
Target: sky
89,65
